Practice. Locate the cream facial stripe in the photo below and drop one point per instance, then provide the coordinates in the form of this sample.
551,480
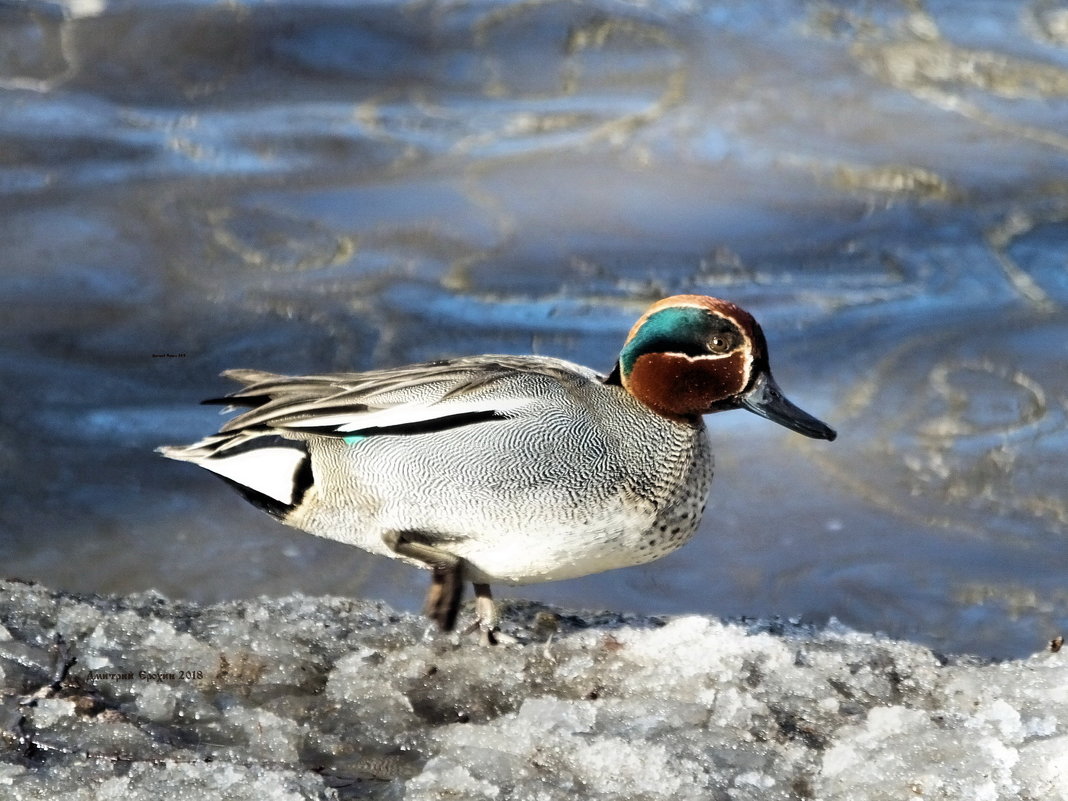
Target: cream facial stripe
747,343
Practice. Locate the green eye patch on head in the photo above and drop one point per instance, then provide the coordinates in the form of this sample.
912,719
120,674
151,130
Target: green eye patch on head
681,329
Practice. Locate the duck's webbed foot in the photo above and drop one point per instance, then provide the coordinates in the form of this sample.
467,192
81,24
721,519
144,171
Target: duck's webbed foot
487,619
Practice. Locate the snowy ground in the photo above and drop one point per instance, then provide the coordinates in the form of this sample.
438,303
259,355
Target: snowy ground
321,698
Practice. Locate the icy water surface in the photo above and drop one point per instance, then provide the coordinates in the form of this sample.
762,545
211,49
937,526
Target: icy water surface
186,187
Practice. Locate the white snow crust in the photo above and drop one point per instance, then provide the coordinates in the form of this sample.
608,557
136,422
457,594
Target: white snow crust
140,698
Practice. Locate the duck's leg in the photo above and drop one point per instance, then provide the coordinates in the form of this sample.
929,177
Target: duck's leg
446,582
443,597
486,617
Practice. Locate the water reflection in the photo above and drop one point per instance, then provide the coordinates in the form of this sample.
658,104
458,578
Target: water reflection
314,187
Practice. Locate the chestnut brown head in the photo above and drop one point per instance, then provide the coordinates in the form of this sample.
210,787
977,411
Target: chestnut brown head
690,355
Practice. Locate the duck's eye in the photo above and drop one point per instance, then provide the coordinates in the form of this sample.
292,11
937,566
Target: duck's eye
718,344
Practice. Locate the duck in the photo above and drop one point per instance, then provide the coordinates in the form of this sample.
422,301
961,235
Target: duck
503,469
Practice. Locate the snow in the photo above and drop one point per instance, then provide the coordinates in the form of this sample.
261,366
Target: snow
329,698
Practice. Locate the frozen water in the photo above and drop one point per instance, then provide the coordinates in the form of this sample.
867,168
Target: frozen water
320,698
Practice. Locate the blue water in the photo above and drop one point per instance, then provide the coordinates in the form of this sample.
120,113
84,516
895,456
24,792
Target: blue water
187,187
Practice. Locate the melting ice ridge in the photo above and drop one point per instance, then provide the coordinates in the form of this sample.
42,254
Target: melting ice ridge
141,697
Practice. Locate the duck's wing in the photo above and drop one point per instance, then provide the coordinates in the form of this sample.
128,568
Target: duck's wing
414,399
265,452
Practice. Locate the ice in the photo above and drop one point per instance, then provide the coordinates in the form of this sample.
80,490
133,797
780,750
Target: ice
140,697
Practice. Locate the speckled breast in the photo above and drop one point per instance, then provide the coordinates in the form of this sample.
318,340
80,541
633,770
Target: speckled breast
678,512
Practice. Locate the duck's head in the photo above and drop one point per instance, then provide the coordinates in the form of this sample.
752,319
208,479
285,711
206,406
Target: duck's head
690,355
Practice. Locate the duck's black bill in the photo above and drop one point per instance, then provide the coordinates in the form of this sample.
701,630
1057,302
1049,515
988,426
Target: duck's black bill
766,399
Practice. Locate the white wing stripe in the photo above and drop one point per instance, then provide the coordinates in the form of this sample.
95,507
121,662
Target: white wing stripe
402,415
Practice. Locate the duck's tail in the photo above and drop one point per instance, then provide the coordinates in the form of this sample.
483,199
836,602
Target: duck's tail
270,471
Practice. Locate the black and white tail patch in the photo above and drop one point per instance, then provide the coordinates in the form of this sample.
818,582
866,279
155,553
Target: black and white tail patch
273,473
